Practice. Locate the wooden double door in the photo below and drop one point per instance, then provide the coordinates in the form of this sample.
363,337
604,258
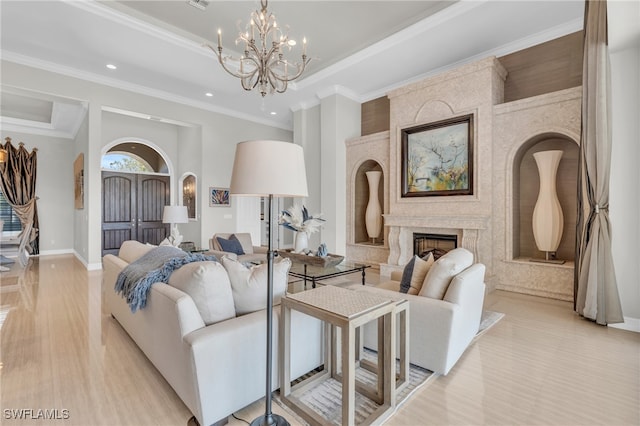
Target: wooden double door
132,206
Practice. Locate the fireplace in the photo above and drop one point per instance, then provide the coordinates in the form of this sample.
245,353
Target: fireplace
438,244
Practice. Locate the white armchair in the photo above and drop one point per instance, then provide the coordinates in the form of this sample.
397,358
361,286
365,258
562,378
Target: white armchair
439,330
251,253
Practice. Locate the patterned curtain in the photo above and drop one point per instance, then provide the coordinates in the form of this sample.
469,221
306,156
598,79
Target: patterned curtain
596,291
18,184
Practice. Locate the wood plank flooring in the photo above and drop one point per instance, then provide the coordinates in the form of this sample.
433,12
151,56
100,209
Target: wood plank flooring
541,365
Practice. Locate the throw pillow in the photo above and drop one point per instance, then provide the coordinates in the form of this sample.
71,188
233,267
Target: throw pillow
249,285
405,281
232,245
412,282
443,270
208,285
245,241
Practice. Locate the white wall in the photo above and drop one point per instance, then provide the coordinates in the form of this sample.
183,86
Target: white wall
54,189
306,124
80,217
219,135
625,179
340,120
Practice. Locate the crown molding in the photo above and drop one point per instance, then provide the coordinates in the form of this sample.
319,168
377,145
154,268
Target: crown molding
116,16
505,49
135,88
392,41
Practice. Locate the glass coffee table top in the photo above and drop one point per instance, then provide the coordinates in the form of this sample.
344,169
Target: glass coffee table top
316,273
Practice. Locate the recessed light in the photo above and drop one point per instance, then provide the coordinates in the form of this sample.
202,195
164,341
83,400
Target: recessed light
209,94
273,113
111,66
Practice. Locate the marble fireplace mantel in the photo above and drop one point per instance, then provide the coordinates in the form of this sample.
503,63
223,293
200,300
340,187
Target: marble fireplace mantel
401,229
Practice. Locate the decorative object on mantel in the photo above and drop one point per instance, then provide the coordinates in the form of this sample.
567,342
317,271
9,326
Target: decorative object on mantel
548,220
265,65
312,258
437,158
373,213
298,219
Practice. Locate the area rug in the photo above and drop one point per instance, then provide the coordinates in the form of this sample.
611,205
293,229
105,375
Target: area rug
326,397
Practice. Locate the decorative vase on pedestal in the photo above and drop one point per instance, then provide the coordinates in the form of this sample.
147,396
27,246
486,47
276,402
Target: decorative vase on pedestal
300,242
548,220
373,213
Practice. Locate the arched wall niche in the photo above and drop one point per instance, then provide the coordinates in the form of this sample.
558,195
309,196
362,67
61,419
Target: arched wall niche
361,200
525,193
189,191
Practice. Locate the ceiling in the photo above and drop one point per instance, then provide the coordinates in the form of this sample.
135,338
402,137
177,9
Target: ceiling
361,49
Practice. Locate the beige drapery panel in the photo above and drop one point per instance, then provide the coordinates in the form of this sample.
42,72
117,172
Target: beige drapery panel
18,184
596,290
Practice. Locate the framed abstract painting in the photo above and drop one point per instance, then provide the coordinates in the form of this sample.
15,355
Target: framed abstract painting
219,197
437,158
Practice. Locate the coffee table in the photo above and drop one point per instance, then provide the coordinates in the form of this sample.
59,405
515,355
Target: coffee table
316,273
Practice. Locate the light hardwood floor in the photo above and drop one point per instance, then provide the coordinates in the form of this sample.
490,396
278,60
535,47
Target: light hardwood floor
542,364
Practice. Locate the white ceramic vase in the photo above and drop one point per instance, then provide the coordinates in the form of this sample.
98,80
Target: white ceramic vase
548,220
373,213
300,242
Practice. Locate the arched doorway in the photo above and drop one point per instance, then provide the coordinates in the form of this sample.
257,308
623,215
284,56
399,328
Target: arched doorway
135,188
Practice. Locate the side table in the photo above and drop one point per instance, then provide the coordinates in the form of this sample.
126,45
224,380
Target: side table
345,310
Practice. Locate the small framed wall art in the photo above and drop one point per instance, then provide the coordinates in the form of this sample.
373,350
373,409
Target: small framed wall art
219,197
437,158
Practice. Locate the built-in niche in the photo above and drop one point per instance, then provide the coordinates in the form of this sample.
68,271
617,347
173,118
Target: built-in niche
189,192
361,193
525,193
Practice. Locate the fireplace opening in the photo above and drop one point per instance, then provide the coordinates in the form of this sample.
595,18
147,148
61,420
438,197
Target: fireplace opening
438,244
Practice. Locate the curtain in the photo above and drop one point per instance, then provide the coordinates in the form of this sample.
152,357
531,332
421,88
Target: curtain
18,184
596,292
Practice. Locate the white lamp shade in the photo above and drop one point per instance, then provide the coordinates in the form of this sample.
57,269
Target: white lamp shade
269,168
175,214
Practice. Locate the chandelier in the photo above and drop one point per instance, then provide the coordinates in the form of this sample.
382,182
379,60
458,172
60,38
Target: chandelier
263,64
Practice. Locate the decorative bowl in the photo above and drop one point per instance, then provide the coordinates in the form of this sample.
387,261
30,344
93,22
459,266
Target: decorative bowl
323,261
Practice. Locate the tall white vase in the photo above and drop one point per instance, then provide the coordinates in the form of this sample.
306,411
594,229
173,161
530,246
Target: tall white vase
373,213
300,242
548,220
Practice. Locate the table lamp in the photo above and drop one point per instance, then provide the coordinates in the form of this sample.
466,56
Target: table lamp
265,168
175,215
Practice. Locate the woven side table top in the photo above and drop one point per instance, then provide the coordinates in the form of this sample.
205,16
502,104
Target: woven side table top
340,301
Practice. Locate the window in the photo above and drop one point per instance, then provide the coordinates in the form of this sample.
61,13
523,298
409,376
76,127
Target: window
11,221
125,162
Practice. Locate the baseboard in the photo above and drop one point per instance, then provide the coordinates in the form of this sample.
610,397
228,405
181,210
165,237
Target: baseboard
630,324
55,252
88,266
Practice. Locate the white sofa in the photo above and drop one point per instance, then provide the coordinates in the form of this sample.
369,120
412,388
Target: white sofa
215,369
251,253
440,330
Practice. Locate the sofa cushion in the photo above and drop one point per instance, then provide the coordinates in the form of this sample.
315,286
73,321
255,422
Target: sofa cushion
208,285
414,274
245,241
443,270
249,285
132,250
232,245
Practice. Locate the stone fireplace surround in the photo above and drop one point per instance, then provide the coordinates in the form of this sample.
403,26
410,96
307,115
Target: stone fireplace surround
483,222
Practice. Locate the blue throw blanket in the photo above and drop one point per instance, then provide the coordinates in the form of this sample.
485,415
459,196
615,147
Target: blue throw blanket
135,280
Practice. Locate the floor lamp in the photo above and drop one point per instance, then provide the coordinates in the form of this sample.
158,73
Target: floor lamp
269,169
